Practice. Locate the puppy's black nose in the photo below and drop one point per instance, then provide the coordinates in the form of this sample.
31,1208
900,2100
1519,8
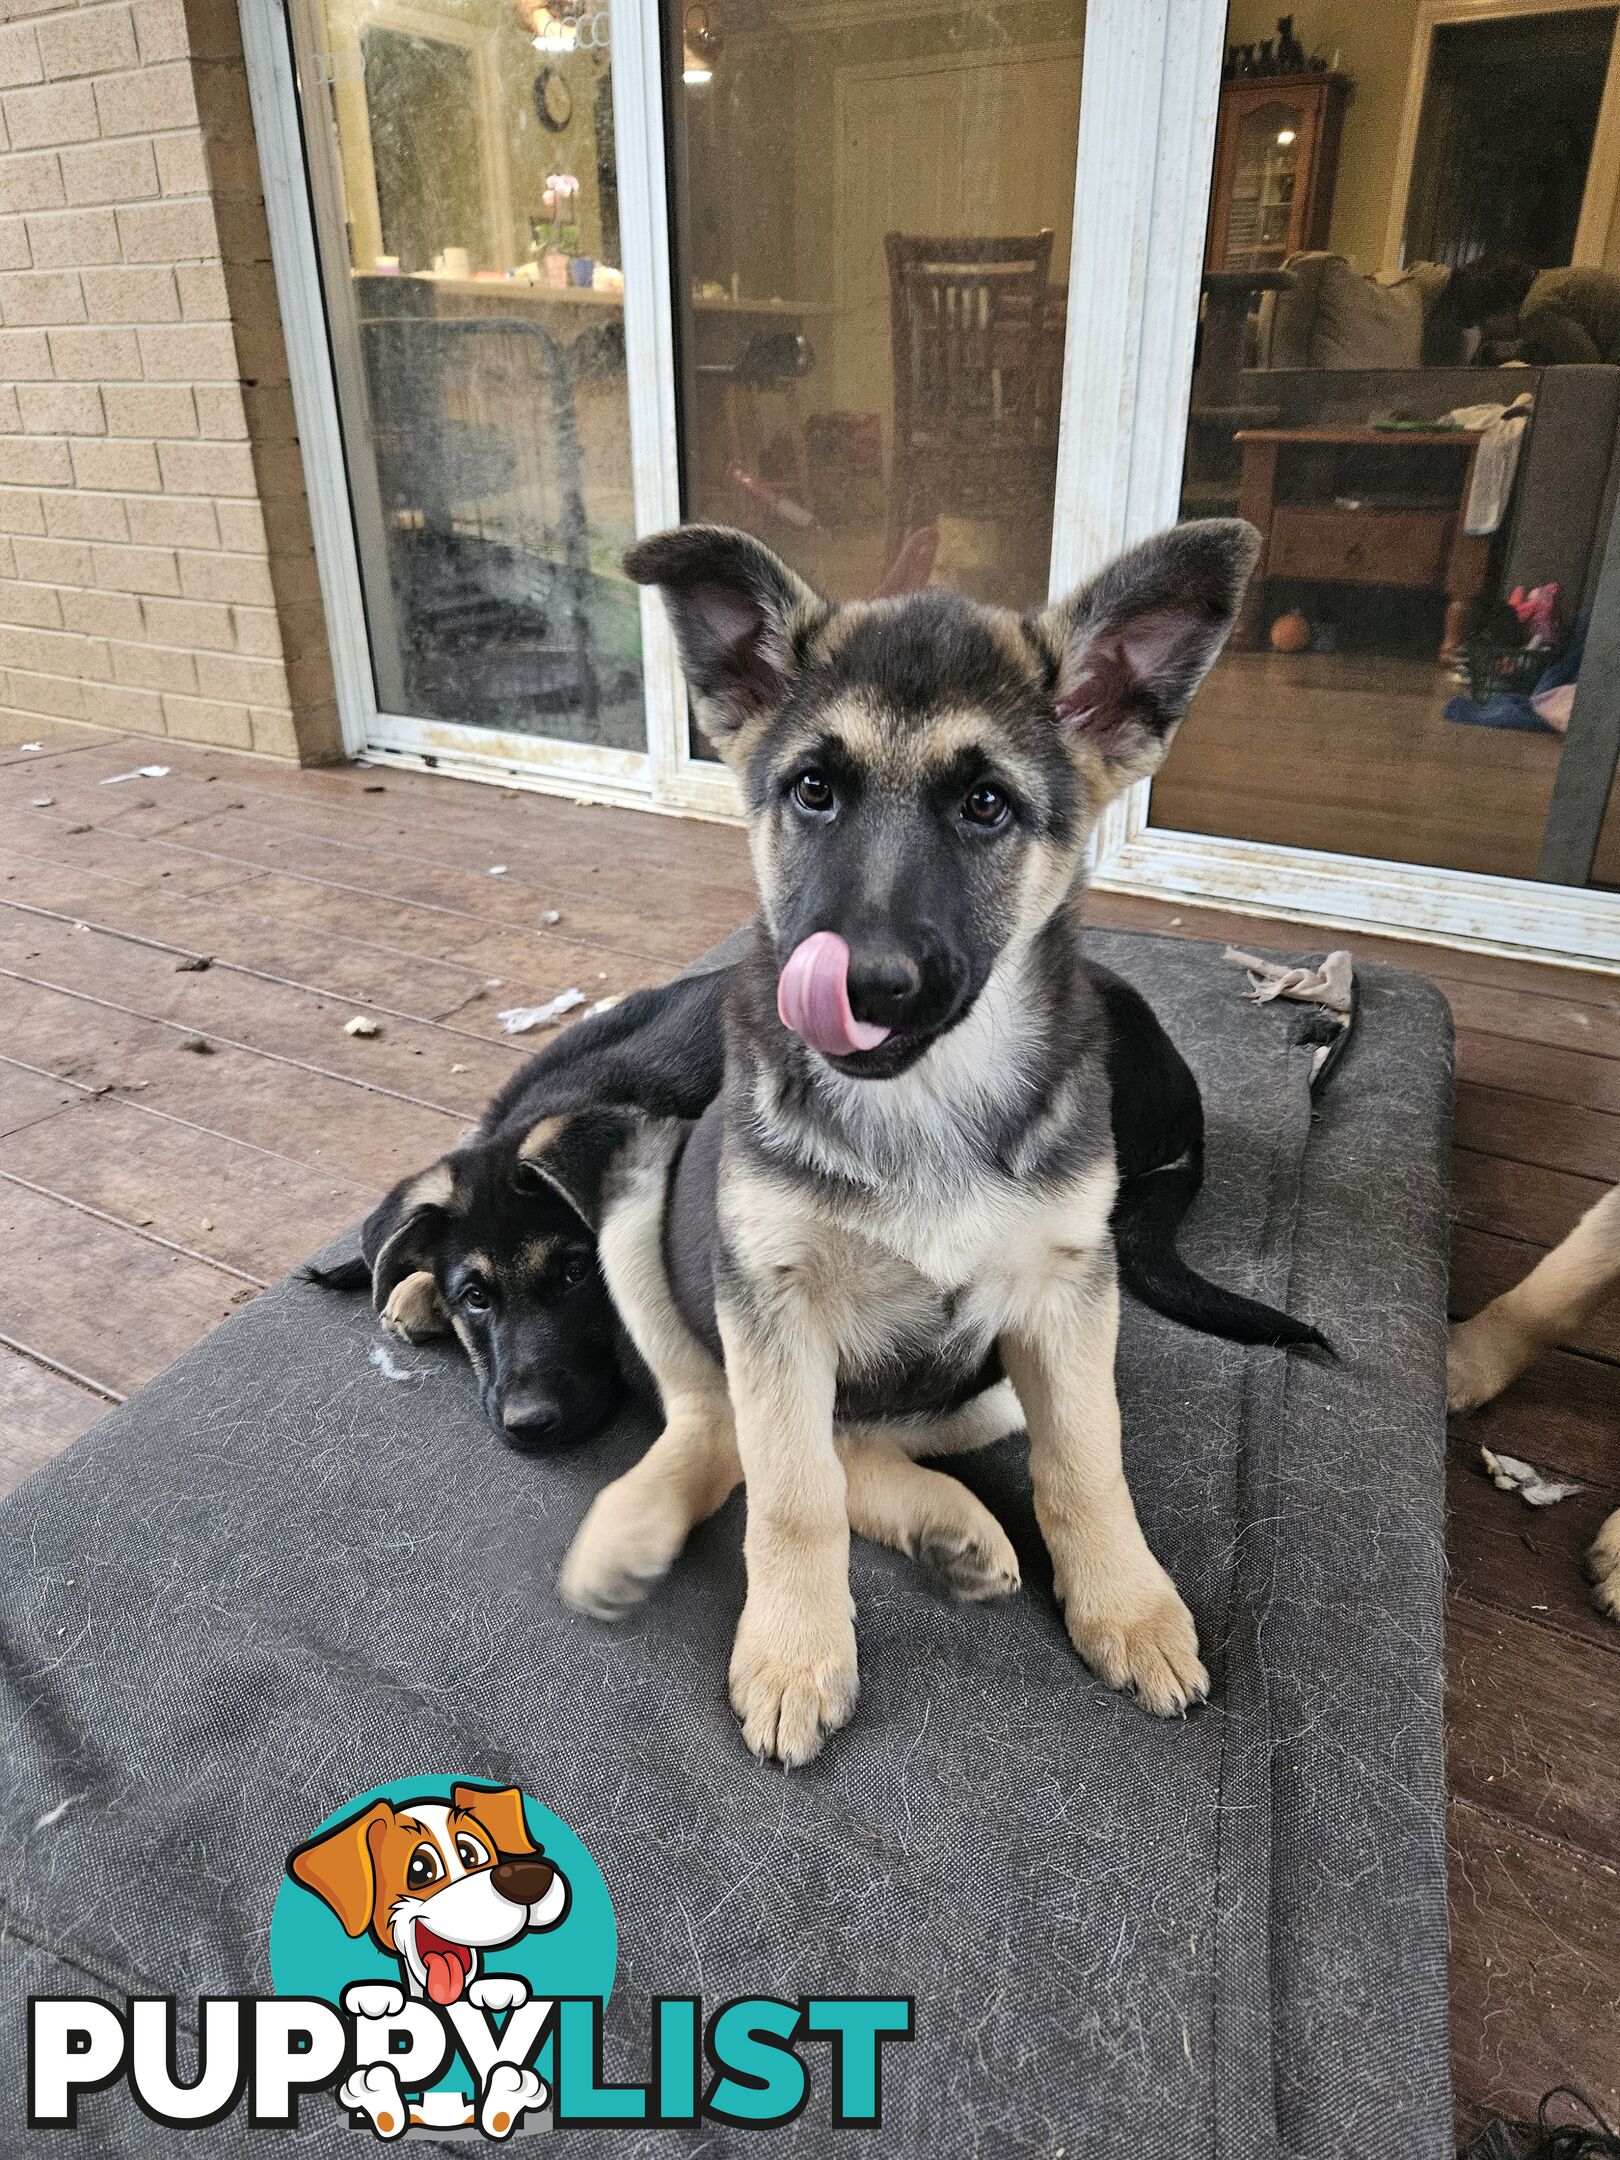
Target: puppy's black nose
530,1420
522,1882
883,985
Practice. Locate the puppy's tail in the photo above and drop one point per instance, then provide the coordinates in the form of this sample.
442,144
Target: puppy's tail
343,1275
1147,1216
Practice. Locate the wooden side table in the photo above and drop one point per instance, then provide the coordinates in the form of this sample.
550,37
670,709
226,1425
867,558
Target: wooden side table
1317,523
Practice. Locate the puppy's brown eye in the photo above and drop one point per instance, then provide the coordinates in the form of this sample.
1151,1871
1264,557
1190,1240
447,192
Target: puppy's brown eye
473,1297
425,1867
577,1268
814,793
985,805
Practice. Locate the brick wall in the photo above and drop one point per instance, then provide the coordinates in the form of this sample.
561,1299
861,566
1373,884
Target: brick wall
156,568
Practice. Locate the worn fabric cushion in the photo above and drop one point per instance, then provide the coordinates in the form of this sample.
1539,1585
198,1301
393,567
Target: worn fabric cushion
274,1580
1333,317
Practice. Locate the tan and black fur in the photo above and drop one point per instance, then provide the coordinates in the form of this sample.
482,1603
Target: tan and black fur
894,1232
1496,1345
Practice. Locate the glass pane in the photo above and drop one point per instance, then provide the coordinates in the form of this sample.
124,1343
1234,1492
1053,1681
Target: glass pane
873,213
1262,207
479,323
1433,478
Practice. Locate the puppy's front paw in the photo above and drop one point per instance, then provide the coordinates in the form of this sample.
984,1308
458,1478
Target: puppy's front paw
508,2095
627,1543
374,2092
1148,1643
1603,1565
373,1999
791,1687
970,1565
498,1991
1483,1355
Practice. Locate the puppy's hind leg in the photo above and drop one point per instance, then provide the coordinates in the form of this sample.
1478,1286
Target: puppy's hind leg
927,1514
636,1526
1557,1294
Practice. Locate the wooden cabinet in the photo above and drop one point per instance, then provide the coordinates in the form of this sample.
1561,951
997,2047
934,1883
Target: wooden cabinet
1276,157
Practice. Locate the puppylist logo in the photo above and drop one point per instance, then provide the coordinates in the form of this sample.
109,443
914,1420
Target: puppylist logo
442,1952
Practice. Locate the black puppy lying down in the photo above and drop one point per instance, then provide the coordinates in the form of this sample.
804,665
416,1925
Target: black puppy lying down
496,1240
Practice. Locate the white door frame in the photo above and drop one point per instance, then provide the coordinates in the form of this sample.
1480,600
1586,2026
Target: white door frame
1603,168
1150,94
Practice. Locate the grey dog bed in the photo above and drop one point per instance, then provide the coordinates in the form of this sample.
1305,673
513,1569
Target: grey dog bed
274,1579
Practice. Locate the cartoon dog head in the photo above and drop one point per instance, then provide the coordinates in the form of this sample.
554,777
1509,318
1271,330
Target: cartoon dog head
494,1242
921,774
436,1883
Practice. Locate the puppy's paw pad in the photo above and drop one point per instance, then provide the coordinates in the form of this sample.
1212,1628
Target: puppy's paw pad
373,1999
1154,1653
508,2095
374,2092
788,1706
498,1991
970,1565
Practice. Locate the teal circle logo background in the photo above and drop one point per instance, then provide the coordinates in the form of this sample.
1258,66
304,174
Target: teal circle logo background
311,1954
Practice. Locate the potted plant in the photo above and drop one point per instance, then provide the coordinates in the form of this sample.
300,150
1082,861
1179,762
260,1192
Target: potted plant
556,231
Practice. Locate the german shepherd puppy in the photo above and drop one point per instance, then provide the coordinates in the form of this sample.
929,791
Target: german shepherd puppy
904,1189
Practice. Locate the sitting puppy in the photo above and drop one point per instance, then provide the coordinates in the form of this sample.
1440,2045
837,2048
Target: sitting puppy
904,1189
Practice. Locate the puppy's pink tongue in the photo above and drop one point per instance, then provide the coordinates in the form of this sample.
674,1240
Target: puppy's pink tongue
812,998
443,1977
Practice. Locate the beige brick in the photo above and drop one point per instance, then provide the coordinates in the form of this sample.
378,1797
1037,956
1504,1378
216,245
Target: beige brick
47,694
11,411
168,232
115,172
273,732
8,562
131,296
94,355
242,528
15,252
241,578
164,409
192,623
24,356
116,466
182,167
146,100
140,570
189,352
31,183
19,56
246,682
223,469
302,631
38,462
103,614
154,667
270,415
54,562
53,654
160,31
208,720
51,408
258,630
114,705
53,114
221,413
21,511
65,239
203,297
81,516
29,297
310,679
91,42
33,605
170,521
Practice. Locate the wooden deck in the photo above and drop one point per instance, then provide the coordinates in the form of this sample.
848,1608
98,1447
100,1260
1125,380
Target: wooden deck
171,1139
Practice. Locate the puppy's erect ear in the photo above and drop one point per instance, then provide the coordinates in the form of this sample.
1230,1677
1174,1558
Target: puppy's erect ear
741,619
1135,643
339,1868
501,1814
401,1238
571,1153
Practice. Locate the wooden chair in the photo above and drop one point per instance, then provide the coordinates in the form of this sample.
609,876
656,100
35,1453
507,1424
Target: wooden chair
974,417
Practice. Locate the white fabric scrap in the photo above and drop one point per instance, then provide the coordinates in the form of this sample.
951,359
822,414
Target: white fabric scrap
1508,1474
141,772
386,1363
518,1019
1501,431
1328,985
